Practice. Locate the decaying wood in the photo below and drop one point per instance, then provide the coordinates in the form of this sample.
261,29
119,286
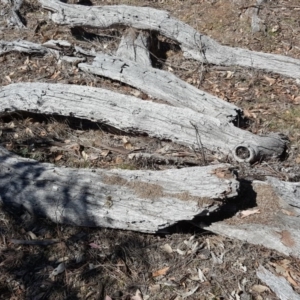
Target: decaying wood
162,85
24,47
134,46
130,114
289,192
145,201
194,44
50,47
278,284
157,83
278,228
14,19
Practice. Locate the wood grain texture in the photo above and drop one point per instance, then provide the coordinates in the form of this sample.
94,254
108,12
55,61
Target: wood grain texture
130,114
145,201
162,85
194,44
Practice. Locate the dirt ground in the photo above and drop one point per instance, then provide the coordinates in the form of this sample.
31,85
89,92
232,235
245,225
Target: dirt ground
184,262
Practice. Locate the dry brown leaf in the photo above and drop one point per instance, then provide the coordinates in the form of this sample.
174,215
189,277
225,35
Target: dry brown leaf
167,248
290,279
94,156
287,212
260,288
55,75
84,155
160,272
270,80
296,100
229,74
104,153
29,131
95,246
283,268
8,78
249,212
119,160
11,125
58,157
32,235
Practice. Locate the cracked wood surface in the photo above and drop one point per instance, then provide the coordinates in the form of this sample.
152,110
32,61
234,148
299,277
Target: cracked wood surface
162,85
194,44
130,114
145,201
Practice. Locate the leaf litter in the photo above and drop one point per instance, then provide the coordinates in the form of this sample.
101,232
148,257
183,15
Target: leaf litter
118,264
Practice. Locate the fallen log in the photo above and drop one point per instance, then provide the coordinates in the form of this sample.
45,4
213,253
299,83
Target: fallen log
145,201
157,83
130,114
276,223
24,47
162,85
194,44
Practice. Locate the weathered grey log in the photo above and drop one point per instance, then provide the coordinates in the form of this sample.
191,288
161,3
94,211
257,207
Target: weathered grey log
145,201
24,47
134,46
130,114
157,83
279,229
50,47
288,191
162,85
194,44
14,19
278,284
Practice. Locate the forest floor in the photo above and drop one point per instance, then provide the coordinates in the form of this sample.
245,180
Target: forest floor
185,262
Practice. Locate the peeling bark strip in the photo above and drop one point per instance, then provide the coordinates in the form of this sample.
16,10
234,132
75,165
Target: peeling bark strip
130,114
145,201
193,43
162,85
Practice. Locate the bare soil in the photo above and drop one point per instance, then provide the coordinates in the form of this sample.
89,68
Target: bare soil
184,262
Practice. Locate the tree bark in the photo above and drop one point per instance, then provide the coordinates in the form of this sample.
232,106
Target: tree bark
162,85
194,44
130,114
145,201
135,46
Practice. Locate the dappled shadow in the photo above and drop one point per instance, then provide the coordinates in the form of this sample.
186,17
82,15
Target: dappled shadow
230,207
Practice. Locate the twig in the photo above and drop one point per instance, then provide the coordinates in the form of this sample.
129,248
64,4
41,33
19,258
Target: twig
199,142
34,242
